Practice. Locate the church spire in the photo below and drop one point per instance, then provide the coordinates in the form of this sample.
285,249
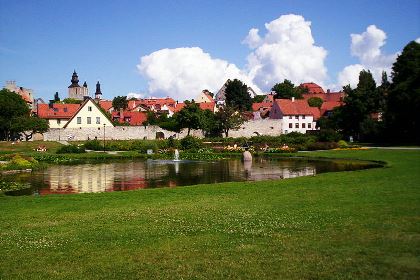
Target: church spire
74,80
98,93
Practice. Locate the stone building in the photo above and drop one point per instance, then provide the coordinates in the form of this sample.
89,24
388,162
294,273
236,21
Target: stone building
75,90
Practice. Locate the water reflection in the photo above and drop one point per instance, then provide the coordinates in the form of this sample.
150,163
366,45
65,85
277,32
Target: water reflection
136,174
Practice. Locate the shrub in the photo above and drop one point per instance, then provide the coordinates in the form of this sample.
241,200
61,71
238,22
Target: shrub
21,162
71,149
328,135
342,144
190,143
322,146
94,145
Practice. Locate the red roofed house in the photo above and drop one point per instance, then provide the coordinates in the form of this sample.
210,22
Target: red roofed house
86,114
130,117
57,114
315,90
296,115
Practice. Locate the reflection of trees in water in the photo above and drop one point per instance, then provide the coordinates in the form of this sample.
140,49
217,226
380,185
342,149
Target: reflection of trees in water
129,175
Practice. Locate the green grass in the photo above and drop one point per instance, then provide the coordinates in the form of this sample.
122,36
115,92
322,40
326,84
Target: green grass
348,225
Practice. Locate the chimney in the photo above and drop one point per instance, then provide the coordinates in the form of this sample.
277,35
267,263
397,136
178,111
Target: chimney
293,99
51,104
328,90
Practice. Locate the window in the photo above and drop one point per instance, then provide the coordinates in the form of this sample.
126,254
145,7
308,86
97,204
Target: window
309,125
296,125
89,120
55,109
65,109
98,120
58,121
79,120
297,117
290,117
90,108
303,125
290,125
285,131
303,117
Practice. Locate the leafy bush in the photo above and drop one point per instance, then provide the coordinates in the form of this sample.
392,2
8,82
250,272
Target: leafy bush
342,144
315,102
71,149
328,135
190,143
322,146
93,145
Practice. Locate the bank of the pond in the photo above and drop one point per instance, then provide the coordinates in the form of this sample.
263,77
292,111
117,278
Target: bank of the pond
352,225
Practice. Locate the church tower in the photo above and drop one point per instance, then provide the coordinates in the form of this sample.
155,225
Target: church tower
98,93
75,90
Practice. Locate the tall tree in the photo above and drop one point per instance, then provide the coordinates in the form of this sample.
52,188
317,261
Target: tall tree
189,117
237,95
209,124
403,103
287,90
28,126
229,118
120,102
12,106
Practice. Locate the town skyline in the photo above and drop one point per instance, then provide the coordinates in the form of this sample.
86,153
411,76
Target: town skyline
189,51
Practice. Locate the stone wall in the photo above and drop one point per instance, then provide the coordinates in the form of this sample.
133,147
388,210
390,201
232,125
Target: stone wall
258,127
248,129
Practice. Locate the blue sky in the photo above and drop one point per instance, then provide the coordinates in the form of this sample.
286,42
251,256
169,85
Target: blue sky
41,42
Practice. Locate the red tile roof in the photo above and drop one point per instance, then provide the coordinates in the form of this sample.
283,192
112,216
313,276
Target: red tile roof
329,106
312,88
296,107
261,105
133,118
207,106
105,104
58,111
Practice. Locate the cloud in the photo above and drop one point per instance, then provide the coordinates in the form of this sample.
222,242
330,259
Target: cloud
183,73
418,40
136,95
367,48
286,51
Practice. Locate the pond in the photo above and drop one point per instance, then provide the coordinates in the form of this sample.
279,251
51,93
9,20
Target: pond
141,174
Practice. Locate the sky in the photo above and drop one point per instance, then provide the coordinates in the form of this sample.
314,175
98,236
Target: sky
178,48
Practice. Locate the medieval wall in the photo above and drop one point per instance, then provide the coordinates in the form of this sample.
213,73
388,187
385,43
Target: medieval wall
248,129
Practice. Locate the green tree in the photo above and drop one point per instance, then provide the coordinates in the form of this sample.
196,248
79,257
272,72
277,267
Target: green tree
229,118
189,117
403,103
315,102
29,125
209,124
12,106
287,90
237,95
120,102
72,101
258,98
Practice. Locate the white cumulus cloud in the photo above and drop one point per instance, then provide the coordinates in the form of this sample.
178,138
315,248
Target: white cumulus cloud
367,48
183,73
286,51
137,95
418,40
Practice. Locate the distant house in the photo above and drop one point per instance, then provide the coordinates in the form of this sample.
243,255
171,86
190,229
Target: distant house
86,114
220,97
204,97
134,118
296,115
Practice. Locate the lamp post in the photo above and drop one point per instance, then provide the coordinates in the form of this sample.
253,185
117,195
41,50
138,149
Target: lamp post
104,138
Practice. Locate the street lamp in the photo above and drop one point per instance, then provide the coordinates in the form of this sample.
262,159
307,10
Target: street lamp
104,138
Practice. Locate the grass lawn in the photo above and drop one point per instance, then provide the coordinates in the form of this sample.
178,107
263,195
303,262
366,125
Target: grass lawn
347,225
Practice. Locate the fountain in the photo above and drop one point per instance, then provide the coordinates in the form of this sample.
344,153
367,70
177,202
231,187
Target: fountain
176,155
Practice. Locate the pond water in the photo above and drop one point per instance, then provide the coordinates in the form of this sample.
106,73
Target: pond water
140,174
